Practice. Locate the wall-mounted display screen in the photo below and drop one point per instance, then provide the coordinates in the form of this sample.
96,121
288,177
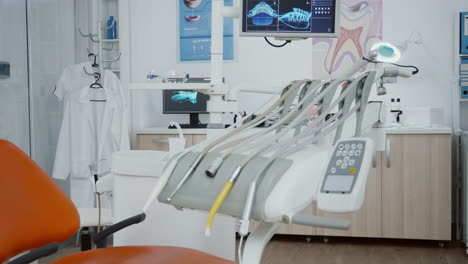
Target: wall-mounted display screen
290,18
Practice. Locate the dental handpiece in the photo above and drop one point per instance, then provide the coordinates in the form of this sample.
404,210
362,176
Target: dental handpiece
186,177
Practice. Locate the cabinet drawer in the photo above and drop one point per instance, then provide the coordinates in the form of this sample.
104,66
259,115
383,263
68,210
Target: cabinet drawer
158,142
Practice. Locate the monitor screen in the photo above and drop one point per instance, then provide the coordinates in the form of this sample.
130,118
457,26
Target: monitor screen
290,18
184,102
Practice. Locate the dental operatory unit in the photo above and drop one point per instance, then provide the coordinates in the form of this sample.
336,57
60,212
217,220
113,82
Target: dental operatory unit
319,149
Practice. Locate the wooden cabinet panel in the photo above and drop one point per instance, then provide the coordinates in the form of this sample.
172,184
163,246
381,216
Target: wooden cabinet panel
197,139
158,142
367,222
416,187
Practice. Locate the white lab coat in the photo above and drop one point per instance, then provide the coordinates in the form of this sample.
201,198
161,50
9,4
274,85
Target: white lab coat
73,78
90,133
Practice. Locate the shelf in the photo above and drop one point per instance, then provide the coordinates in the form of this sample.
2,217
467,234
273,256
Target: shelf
110,40
170,86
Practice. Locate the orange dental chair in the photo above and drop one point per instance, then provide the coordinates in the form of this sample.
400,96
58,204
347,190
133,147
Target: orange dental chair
37,216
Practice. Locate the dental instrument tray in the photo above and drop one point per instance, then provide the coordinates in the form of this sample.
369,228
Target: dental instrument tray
200,191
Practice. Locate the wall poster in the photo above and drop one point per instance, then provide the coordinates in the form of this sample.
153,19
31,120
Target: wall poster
195,31
361,26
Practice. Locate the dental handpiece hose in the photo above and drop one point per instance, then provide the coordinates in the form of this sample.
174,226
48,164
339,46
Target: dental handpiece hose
213,169
229,184
227,136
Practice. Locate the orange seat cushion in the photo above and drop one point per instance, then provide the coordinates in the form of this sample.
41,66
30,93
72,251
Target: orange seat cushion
143,255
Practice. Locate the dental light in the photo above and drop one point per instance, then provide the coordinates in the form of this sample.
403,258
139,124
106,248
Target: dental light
385,52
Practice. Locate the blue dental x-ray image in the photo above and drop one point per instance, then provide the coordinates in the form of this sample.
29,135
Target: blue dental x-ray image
263,15
185,96
297,19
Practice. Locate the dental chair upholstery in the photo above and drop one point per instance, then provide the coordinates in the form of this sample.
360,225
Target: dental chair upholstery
35,211
38,215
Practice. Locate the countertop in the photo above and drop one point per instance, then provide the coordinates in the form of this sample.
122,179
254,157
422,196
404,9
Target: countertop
167,131
389,131
418,130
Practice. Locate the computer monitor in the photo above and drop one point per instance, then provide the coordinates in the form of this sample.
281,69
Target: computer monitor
290,18
186,102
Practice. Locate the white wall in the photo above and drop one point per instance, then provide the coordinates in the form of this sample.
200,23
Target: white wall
14,110
154,30
154,43
435,58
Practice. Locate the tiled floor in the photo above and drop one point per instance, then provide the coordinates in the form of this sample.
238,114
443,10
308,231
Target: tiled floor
347,251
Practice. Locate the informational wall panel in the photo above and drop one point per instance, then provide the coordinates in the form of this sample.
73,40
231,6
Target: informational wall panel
195,31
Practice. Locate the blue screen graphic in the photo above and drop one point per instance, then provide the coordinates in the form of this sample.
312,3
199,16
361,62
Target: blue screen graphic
185,96
289,16
184,101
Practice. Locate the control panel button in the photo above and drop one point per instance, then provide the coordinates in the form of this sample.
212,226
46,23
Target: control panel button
358,152
346,159
351,152
360,146
353,146
351,162
345,153
341,147
339,162
347,146
333,170
344,166
339,153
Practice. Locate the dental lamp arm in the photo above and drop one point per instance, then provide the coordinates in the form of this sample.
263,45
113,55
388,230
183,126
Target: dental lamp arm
391,72
357,67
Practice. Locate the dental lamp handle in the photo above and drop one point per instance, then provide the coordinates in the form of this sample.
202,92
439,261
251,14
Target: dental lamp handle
397,72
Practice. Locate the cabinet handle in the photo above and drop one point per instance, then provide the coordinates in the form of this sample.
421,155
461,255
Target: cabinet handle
159,140
388,152
374,160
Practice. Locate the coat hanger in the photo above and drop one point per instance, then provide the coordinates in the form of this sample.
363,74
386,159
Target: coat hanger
96,85
90,54
94,65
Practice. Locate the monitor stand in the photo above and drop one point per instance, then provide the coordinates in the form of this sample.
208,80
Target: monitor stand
194,122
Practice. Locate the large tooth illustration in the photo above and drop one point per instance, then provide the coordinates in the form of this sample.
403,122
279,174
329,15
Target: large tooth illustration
351,43
262,14
354,12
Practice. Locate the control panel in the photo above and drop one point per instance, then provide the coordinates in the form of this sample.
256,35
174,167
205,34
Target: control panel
464,78
343,186
464,33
